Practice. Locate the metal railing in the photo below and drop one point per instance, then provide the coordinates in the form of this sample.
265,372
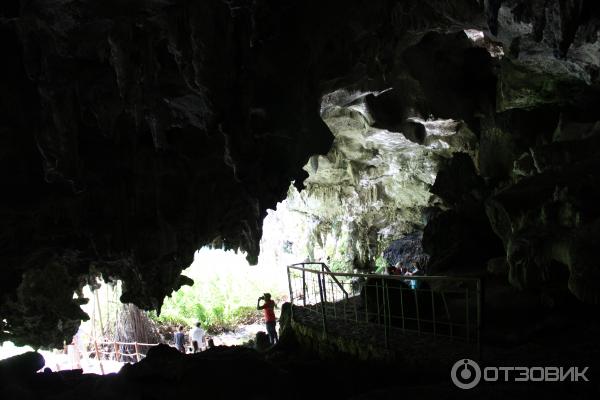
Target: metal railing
426,305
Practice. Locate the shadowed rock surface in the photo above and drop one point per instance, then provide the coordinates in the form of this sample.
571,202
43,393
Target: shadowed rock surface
304,364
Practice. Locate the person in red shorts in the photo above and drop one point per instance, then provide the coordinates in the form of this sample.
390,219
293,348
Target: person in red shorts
268,307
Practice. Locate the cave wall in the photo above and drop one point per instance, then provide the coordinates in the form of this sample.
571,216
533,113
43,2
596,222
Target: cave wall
135,132
535,174
526,91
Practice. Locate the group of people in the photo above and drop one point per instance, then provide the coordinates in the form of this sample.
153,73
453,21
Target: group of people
197,339
400,269
403,270
197,335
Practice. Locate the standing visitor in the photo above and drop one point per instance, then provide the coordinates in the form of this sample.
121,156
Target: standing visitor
180,340
197,338
270,320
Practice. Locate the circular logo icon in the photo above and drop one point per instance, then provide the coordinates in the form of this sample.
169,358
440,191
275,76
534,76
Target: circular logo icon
465,374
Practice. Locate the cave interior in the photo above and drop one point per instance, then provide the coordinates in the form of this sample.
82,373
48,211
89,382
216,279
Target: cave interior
136,132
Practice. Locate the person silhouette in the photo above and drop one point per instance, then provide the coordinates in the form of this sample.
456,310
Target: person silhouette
197,338
180,340
270,321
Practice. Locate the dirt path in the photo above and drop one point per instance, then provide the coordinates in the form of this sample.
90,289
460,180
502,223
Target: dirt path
240,336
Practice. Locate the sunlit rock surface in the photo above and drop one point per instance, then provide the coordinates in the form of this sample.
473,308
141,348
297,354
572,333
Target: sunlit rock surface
374,184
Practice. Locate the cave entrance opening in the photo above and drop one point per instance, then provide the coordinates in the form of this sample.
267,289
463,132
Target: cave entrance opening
224,295
223,299
114,333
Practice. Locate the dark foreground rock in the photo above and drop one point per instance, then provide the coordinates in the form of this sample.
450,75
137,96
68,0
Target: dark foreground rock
133,133
293,371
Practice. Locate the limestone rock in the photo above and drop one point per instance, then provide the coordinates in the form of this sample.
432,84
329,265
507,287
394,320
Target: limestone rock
134,133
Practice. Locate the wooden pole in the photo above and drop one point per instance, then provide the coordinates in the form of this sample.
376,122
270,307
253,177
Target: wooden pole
107,306
94,318
99,312
98,356
117,358
137,352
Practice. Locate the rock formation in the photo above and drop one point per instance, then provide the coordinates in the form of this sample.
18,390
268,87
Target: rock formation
135,132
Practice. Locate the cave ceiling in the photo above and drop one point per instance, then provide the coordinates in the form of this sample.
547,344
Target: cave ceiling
135,132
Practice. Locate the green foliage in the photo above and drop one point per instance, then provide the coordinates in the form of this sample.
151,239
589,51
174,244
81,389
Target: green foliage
224,294
337,265
380,264
168,319
182,310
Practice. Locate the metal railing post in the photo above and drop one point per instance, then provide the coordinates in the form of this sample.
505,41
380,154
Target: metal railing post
333,300
478,319
366,303
468,324
324,317
377,298
289,274
402,308
433,312
304,286
417,310
386,314
355,309
344,308
324,286
448,316
292,293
